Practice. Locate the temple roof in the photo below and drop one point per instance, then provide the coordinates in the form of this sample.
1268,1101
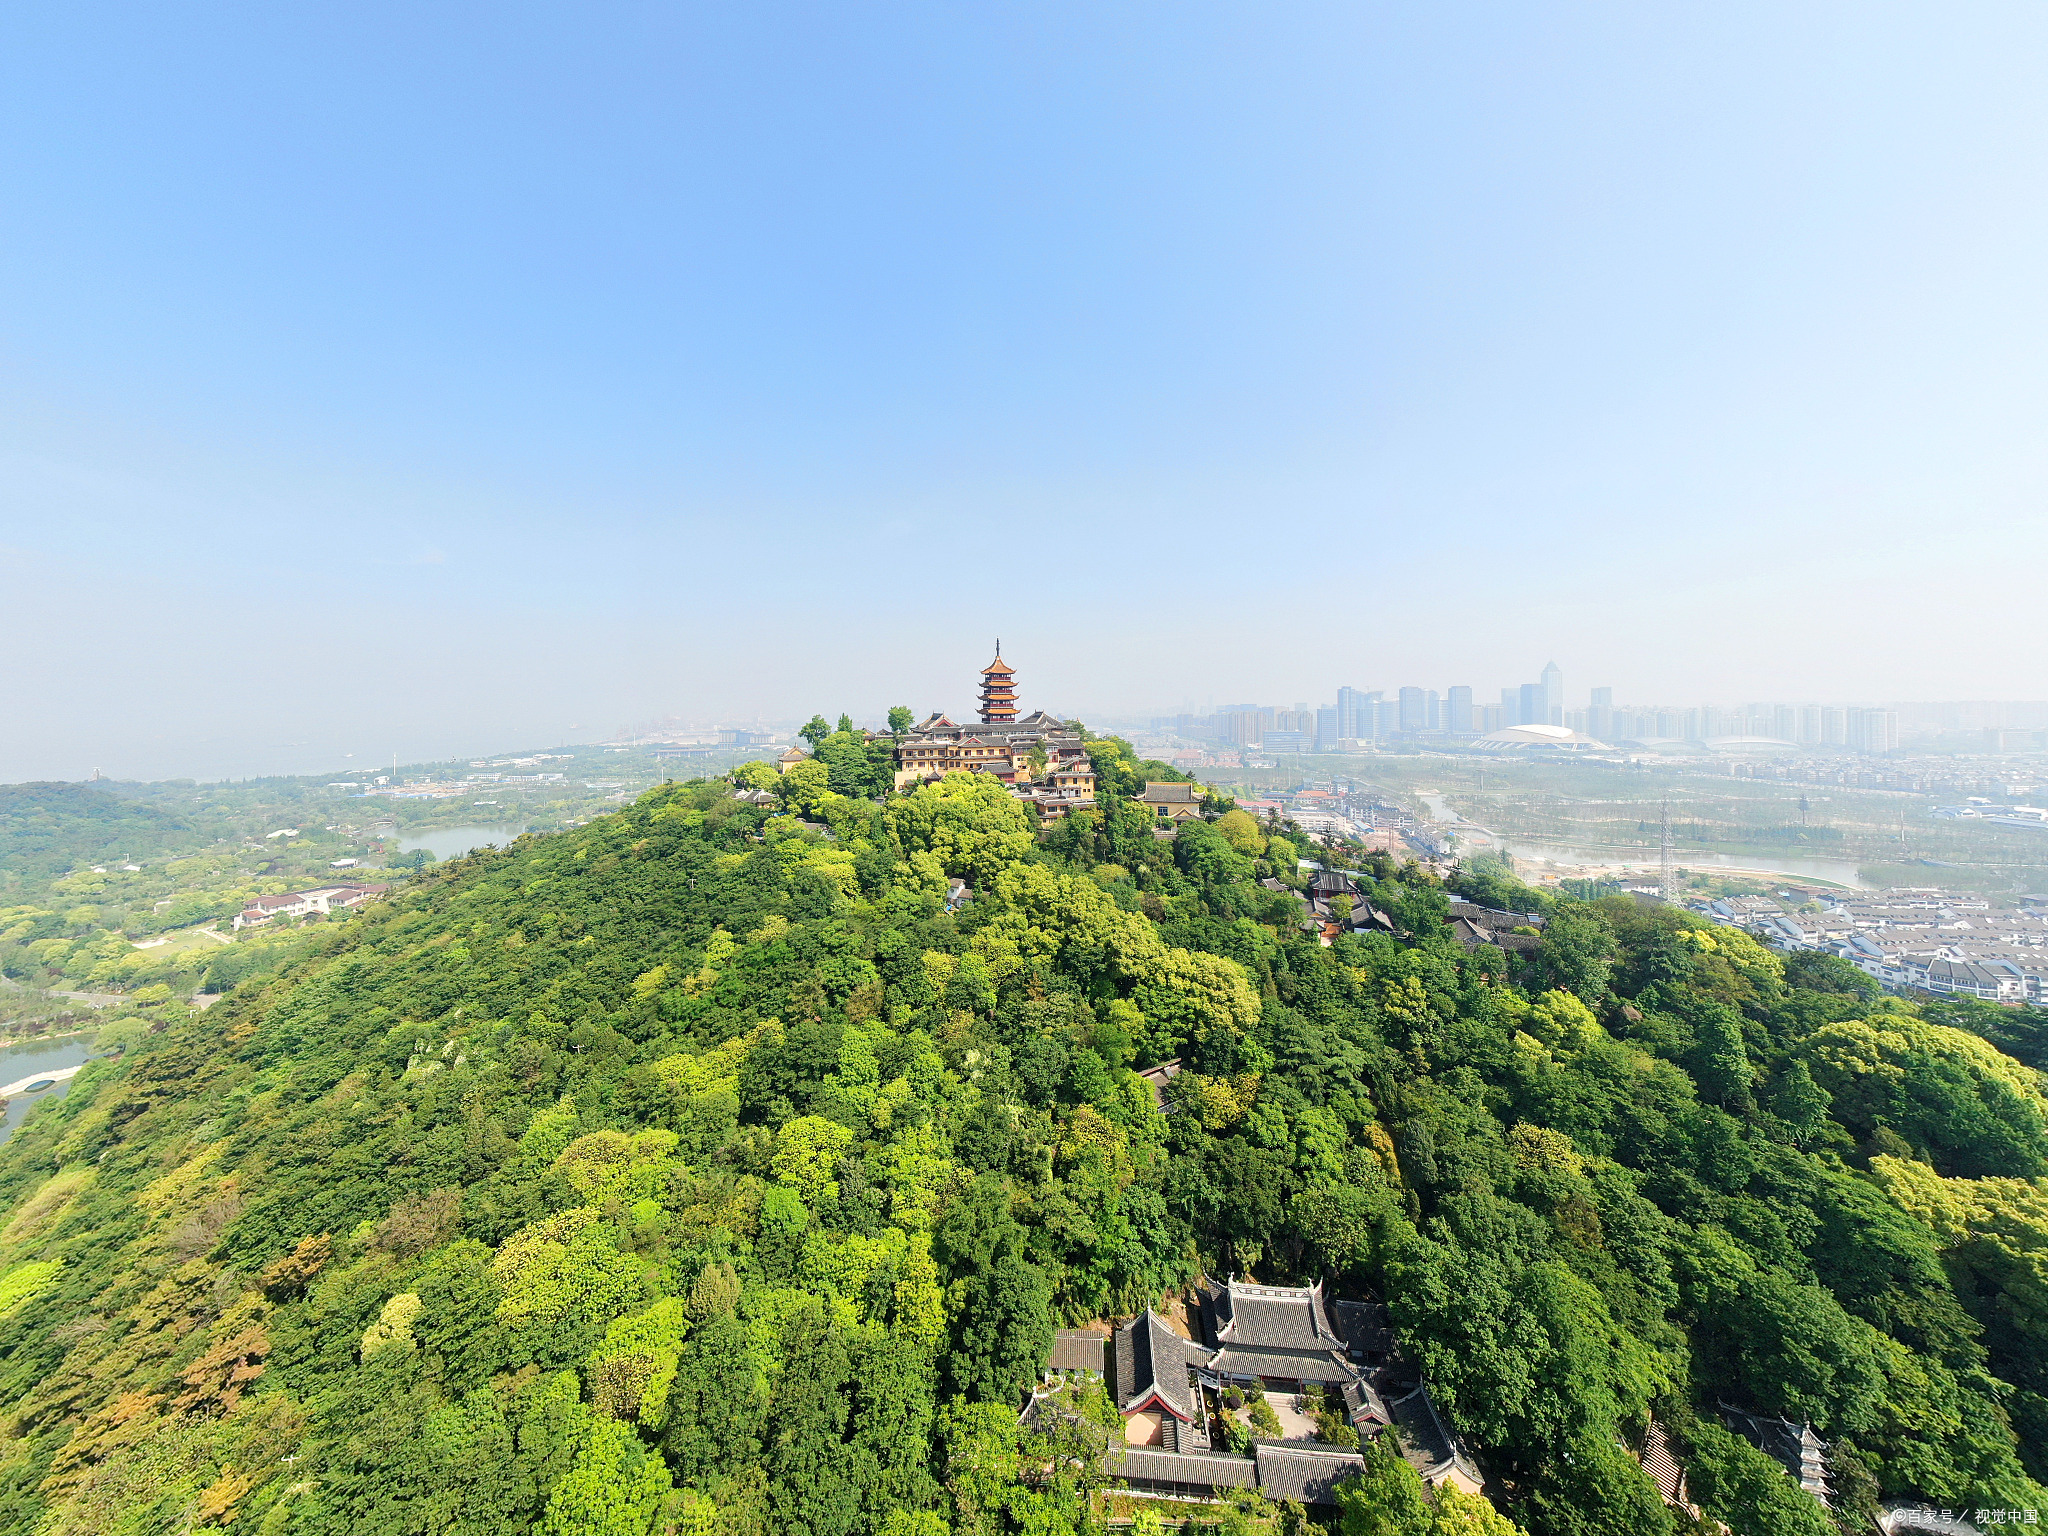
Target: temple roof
998,666
1273,1317
1304,1474
1152,1361
1205,1470
1306,1365
1079,1349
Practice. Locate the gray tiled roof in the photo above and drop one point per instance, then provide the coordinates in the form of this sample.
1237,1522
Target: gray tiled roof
1305,1365
1274,1317
1307,1477
1365,1326
1427,1442
1151,1358
1078,1349
1210,1471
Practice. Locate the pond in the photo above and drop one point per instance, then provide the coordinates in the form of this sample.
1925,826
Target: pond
33,1061
454,842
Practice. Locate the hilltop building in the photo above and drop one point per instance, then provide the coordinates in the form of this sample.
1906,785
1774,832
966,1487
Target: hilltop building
1043,760
1172,803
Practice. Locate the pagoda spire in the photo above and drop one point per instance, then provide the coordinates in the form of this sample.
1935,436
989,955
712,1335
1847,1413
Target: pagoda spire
998,691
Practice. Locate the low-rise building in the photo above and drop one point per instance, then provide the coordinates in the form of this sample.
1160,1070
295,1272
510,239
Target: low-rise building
1172,802
318,902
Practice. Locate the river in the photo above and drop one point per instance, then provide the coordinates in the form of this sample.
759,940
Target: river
454,842
1475,837
31,1057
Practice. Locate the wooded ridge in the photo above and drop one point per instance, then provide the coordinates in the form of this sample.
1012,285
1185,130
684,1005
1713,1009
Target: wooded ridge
701,1168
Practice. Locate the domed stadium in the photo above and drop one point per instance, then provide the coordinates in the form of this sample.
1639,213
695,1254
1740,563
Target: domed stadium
1538,738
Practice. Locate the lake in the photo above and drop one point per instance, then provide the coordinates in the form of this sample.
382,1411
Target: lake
454,842
33,1056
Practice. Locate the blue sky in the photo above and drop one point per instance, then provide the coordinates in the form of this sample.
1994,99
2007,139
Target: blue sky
441,378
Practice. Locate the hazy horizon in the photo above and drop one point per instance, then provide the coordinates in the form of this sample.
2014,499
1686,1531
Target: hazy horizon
384,380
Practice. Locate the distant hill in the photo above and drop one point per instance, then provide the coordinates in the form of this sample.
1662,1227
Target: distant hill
49,828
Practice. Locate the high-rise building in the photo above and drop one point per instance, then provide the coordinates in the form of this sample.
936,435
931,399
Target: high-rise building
1872,730
1492,717
1510,707
1553,694
1414,711
1350,706
1603,698
1327,733
1459,711
1834,727
1534,705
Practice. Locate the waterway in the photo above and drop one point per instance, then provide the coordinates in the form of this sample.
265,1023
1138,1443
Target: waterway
1473,837
454,842
30,1058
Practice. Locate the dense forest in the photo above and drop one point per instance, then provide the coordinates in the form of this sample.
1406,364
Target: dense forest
714,1167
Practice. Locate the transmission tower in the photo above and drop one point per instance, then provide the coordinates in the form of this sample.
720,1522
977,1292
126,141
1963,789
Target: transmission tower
1667,883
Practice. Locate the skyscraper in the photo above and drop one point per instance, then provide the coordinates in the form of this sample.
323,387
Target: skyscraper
1553,695
1600,715
1414,710
1459,701
1349,705
1533,705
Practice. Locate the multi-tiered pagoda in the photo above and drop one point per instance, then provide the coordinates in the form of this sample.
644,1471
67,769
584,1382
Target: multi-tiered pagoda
998,691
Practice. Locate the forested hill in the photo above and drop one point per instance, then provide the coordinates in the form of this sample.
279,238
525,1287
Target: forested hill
48,828
698,1169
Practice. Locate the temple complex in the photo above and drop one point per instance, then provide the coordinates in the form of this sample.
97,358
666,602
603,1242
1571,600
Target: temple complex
1042,759
1175,1385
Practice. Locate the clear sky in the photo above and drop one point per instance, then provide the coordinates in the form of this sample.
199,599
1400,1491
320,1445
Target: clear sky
426,378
